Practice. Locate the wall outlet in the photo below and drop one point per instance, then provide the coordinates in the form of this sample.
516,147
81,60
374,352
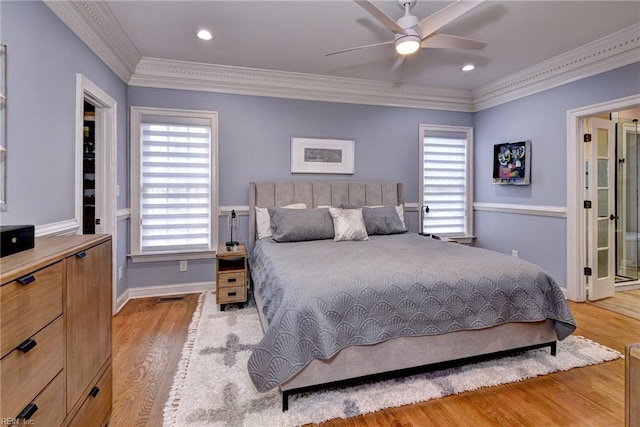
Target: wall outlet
183,266
120,272
514,252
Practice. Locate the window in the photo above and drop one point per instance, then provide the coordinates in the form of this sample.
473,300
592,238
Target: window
446,180
174,175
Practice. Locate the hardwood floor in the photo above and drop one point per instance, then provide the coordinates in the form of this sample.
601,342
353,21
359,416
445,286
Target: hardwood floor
148,337
627,303
148,340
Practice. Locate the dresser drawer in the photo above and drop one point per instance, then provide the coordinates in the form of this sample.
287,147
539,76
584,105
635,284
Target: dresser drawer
47,409
97,406
29,303
232,279
25,374
235,294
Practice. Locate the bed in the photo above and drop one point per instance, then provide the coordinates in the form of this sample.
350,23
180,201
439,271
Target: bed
337,312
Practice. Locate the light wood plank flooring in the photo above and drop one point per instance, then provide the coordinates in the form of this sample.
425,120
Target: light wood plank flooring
627,303
148,340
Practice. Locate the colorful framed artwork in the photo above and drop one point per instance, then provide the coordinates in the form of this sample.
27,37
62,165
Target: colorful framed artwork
512,163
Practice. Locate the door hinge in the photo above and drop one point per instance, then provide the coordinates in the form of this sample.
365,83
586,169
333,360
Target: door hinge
587,204
587,137
588,271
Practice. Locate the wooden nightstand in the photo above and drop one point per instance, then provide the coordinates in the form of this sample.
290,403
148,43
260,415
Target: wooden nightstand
231,275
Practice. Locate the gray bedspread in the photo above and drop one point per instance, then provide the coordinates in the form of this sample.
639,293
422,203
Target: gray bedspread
322,296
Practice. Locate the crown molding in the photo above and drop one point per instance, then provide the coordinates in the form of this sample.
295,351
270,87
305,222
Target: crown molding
94,23
162,73
608,53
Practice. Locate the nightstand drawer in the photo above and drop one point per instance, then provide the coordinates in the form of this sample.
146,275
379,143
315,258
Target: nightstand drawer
48,407
235,294
29,303
26,372
232,279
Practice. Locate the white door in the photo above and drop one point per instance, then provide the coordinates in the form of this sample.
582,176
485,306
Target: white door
601,218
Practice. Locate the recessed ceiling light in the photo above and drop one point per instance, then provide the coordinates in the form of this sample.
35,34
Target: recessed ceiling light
468,67
204,35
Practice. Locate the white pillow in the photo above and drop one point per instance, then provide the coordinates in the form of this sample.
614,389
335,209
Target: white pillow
263,220
348,224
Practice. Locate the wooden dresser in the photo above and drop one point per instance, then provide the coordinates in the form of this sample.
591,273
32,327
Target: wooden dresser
55,332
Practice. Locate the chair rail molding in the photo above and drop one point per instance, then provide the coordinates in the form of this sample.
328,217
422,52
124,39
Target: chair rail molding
535,210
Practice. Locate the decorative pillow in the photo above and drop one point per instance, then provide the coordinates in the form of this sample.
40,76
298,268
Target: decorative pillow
399,210
382,220
263,221
296,225
348,224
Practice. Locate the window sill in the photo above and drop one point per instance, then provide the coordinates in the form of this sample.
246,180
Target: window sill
173,256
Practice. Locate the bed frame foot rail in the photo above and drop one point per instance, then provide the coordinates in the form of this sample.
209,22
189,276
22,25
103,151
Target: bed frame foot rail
412,371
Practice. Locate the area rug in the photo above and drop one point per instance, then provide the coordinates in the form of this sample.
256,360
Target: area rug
212,386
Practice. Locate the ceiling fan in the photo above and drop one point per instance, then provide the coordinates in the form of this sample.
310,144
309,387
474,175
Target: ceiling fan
412,34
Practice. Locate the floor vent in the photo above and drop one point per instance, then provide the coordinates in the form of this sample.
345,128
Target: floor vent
171,298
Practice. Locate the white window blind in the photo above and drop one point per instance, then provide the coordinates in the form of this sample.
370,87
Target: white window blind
175,186
445,182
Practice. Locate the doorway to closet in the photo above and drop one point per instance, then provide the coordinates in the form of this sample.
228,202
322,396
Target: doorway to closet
96,165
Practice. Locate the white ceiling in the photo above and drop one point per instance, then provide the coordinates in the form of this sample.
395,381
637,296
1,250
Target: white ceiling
293,36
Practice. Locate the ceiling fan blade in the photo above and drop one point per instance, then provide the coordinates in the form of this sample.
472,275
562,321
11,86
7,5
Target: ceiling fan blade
380,16
451,42
442,17
357,48
397,63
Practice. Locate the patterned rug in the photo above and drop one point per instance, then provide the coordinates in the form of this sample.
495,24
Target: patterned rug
212,386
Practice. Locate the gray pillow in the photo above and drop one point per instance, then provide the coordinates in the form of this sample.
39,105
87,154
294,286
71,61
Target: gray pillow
296,225
382,220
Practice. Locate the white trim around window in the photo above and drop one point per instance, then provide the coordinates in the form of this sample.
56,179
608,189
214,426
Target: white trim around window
174,184
446,180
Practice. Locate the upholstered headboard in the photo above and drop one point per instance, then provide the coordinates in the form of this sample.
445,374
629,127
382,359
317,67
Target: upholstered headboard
316,193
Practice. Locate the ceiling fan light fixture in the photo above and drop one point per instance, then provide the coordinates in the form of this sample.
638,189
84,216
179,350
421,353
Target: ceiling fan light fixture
408,44
204,35
468,67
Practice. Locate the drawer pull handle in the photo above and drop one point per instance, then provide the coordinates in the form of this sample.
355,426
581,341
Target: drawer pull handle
231,280
25,280
27,345
232,294
81,254
94,392
28,411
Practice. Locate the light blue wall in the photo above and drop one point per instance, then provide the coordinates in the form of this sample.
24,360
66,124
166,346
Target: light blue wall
255,144
255,137
44,57
541,118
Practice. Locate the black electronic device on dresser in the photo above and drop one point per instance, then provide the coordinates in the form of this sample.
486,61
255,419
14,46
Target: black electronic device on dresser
16,238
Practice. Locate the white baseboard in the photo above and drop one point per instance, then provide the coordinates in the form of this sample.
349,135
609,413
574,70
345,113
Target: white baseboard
162,290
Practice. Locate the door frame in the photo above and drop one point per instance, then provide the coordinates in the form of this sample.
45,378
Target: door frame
576,239
106,164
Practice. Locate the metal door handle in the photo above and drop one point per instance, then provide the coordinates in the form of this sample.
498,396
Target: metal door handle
613,217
